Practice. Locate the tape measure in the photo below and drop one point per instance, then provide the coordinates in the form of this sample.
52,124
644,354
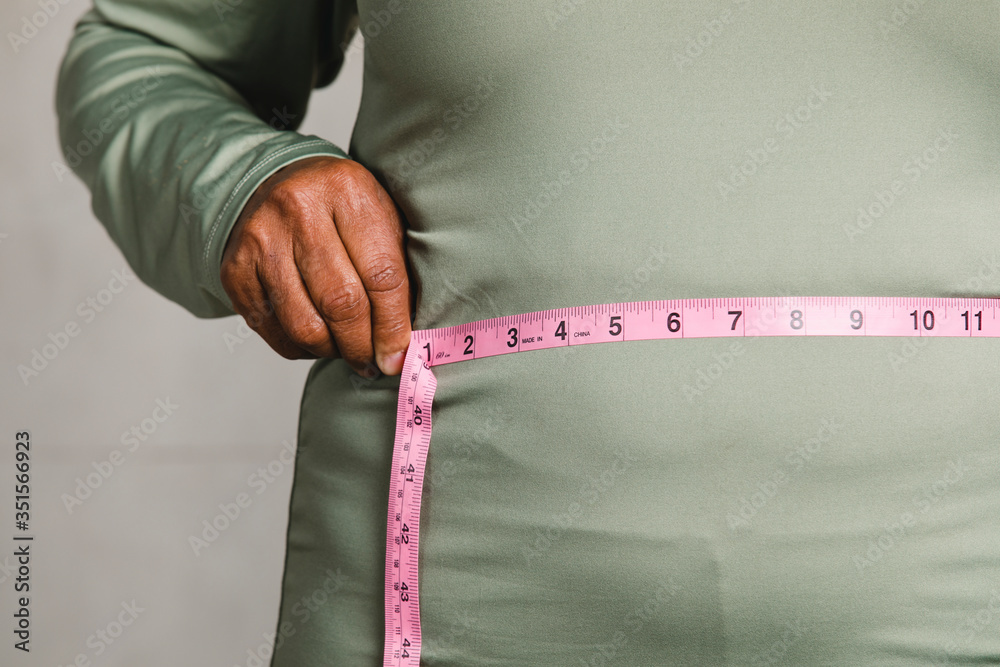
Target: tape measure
608,323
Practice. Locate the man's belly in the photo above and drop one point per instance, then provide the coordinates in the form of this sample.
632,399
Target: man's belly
809,502
814,501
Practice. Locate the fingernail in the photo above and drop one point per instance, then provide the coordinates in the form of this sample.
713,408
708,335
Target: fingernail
392,364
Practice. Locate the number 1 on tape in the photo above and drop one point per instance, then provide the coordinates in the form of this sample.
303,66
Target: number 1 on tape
617,322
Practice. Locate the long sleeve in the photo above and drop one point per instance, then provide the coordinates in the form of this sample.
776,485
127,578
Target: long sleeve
174,111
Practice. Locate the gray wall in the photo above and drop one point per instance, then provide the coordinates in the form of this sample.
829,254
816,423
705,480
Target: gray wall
128,542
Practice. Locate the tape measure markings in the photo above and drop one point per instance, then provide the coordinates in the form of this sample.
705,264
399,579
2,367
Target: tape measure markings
618,322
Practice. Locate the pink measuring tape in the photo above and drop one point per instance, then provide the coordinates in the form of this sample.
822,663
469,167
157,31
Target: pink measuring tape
609,323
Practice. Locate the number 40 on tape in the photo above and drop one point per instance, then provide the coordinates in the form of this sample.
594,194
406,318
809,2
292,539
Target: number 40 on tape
609,323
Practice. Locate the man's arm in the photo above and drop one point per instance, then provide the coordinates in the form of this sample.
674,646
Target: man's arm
174,113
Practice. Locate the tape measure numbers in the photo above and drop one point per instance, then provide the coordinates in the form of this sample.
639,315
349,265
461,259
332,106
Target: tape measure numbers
608,323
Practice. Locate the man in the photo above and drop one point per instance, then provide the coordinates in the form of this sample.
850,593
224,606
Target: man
683,502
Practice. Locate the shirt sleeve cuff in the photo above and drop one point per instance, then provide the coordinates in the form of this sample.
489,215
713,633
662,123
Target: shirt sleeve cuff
218,232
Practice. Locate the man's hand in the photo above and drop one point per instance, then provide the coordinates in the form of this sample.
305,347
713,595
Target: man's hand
315,264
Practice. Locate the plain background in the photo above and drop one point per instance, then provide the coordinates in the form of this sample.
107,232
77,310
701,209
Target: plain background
237,403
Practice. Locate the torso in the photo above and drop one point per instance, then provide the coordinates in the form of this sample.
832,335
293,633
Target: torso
546,158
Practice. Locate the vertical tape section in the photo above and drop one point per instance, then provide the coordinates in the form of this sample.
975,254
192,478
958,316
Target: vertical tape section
740,317
409,458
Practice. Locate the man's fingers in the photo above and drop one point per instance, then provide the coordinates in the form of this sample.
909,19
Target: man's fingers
258,309
322,239
372,236
337,294
293,308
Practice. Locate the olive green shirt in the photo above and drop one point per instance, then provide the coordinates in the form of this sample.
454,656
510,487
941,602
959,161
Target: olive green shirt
820,501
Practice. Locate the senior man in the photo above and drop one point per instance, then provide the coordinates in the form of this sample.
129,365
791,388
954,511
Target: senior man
631,504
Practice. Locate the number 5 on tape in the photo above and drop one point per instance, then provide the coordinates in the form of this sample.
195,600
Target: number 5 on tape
616,322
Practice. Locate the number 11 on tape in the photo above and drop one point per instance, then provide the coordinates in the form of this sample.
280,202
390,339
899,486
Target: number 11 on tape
609,323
